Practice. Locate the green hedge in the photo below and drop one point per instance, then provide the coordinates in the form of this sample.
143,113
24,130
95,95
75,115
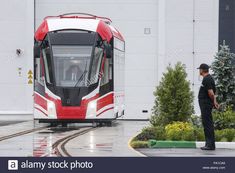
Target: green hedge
151,133
224,119
139,144
182,131
178,131
229,134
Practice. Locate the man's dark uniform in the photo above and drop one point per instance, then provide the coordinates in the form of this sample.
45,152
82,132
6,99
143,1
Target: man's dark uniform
206,106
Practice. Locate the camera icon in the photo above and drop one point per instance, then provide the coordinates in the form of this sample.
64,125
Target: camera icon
12,164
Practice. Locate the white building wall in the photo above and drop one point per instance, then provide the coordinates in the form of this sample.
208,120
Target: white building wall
157,32
189,30
206,37
16,32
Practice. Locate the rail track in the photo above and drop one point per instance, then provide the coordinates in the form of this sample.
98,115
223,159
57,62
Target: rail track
21,133
59,145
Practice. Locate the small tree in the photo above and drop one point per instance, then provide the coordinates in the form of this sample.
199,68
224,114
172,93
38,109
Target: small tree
174,99
223,72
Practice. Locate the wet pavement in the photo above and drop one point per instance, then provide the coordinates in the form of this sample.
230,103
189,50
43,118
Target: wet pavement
187,152
6,123
104,141
101,142
107,141
12,128
35,144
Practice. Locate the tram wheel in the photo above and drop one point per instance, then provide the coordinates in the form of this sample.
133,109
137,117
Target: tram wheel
100,124
53,124
64,124
109,124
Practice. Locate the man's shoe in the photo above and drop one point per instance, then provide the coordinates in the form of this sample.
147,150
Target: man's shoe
207,148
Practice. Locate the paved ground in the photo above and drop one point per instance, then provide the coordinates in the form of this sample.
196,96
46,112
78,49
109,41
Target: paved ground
36,144
107,141
8,128
5,123
187,152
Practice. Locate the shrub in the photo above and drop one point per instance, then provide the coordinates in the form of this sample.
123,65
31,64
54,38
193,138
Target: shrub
199,133
174,98
196,121
152,132
229,134
188,135
223,68
156,120
180,131
160,133
146,134
224,119
139,144
219,135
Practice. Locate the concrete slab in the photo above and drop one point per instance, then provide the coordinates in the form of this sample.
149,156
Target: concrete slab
36,144
173,152
5,123
107,141
223,145
17,116
15,128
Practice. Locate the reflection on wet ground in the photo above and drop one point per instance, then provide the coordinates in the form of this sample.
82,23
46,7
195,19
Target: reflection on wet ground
6,123
59,129
37,144
43,140
105,141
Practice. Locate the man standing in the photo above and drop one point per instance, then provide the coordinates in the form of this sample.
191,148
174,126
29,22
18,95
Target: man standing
207,101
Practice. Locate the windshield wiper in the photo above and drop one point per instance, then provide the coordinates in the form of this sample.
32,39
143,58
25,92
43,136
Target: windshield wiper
82,76
80,79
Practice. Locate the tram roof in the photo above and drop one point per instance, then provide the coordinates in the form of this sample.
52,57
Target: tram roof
100,25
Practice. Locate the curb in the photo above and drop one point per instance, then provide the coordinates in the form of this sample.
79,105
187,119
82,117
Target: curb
223,145
187,144
134,150
171,144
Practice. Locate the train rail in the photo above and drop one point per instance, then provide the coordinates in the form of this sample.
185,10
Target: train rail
59,145
22,133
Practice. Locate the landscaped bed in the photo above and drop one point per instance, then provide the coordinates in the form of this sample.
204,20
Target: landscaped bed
173,124
177,135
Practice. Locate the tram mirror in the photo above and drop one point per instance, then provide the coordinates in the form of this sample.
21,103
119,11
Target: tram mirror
108,50
36,51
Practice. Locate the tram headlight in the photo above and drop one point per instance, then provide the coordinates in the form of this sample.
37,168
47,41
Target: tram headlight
92,105
91,108
51,109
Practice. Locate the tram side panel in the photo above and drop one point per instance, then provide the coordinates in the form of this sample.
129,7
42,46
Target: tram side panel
43,108
119,77
105,103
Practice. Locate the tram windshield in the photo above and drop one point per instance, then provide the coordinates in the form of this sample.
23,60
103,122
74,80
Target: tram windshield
72,64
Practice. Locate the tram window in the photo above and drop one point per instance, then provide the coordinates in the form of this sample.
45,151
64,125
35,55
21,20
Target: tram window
96,65
110,69
106,74
40,71
37,68
71,65
47,64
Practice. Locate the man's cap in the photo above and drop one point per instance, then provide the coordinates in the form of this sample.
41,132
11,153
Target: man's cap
204,67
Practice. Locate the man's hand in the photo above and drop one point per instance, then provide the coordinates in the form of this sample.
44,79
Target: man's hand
216,105
213,98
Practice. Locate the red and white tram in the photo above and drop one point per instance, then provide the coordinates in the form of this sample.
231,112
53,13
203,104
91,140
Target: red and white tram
79,64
